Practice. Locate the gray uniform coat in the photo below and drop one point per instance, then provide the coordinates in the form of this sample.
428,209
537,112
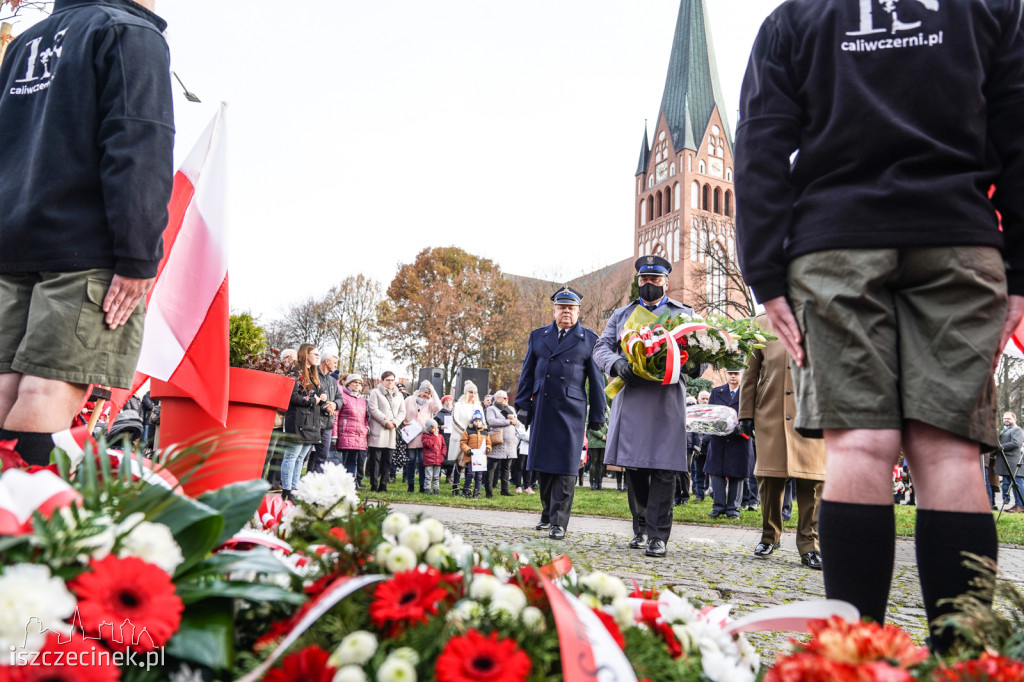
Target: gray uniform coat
647,427
1010,439
553,391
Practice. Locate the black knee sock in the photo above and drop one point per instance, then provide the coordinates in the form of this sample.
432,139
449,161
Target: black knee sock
34,448
858,549
941,538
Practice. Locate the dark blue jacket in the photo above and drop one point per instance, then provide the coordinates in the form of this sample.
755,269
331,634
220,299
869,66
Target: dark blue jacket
86,141
731,456
553,390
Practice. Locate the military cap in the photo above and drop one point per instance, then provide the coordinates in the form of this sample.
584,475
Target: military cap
567,296
652,265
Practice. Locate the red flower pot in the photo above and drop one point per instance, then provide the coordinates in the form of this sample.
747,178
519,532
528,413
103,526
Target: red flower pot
228,453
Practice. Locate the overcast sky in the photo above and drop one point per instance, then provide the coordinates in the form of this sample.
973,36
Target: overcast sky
363,132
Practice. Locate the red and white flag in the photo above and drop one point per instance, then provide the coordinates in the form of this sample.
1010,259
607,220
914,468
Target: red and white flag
186,335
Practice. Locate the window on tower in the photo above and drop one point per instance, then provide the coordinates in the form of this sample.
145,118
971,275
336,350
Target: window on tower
728,203
702,168
694,194
658,210
717,208
650,209
643,211
705,198
676,199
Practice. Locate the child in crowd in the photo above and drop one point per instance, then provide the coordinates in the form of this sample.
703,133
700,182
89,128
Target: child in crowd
435,451
473,438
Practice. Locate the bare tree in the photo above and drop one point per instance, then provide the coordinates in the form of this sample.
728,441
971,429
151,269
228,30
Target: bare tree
306,322
719,287
1010,385
352,318
10,9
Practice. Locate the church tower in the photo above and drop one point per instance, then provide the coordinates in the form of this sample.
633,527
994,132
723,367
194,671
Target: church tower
685,200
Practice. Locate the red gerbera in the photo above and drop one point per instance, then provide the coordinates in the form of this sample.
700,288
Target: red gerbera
135,596
308,665
475,658
79,660
529,581
407,598
987,668
612,627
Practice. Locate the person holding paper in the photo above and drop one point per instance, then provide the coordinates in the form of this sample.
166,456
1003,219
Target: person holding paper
475,445
419,407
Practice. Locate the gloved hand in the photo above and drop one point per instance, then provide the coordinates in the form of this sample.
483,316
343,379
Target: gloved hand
594,426
523,417
746,428
622,370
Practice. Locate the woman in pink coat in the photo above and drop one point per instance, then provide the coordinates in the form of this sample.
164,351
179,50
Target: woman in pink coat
351,425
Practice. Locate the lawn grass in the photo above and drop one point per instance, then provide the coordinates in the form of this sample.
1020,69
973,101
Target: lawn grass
612,503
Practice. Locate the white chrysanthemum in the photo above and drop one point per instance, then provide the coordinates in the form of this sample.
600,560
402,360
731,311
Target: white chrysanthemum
349,673
684,633
483,586
316,489
533,619
294,515
406,654
356,649
604,585
400,559
720,668
394,524
396,670
622,612
678,611
466,612
383,550
434,528
31,600
437,556
590,601
748,654
152,542
415,537
343,481
185,673
511,594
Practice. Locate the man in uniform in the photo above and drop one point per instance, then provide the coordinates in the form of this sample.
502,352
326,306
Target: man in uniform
86,166
647,428
768,408
865,227
558,372
730,459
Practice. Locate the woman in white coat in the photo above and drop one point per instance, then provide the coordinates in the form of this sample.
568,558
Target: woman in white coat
462,417
387,412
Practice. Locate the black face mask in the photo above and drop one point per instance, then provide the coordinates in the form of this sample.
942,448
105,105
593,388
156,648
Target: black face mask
651,292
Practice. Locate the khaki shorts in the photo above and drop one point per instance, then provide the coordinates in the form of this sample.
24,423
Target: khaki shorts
898,334
52,326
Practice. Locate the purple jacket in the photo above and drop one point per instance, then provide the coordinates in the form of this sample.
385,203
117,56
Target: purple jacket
352,422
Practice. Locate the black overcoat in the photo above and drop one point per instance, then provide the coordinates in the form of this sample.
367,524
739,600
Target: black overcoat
731,456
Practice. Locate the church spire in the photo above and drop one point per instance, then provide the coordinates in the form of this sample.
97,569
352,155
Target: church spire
645,154
692,90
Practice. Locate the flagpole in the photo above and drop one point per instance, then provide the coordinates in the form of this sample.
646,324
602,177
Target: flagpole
6,34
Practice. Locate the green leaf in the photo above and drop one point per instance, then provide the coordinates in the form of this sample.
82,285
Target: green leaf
236,503
258,559
206,635
239,589
12,541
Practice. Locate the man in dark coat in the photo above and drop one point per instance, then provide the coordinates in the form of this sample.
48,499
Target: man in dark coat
1010,440
730,458
647,429
552,400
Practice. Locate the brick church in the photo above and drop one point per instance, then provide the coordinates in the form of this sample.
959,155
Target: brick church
684,199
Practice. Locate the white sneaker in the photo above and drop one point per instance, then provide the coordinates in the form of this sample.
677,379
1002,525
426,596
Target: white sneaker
528,491
519,490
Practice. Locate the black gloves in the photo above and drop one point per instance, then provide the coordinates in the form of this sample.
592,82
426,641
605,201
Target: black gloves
746,428
523,417
594,426
622,370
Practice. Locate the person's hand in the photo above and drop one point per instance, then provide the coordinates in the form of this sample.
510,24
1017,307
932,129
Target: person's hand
594,426
746,428
1014,312
786,328
123,295
389,425
604,437
332,408
622,370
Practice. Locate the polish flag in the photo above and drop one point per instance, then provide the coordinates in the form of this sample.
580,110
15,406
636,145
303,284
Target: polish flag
185,342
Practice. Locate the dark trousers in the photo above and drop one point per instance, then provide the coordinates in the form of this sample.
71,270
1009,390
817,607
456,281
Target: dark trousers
318,457
596,468
808,494
650,493
474,479
700,479
500,469
750,496
682,486
518,470
355,462
272,464
556,493
787,498
726,493
379,464
415,464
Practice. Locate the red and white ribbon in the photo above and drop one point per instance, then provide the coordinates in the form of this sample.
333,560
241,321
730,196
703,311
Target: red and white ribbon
22,493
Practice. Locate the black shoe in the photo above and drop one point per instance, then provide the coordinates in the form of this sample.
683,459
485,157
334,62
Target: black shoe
382,489
505,493
489,496
751,507
715,514
733,515
639,541
765,549
542,526
557,533
656,548
811,560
